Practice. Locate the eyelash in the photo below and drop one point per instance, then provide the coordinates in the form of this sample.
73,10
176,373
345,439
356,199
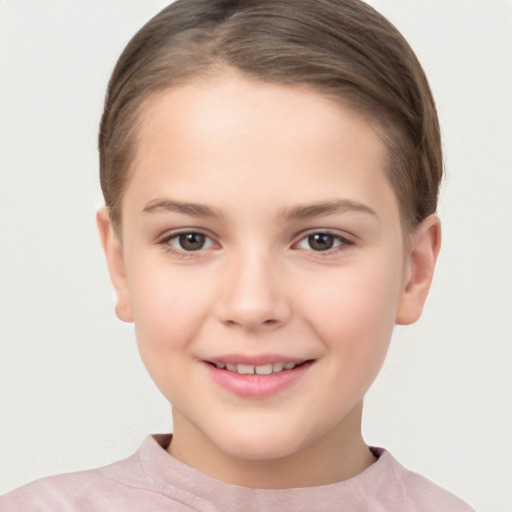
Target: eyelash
342,243
183,253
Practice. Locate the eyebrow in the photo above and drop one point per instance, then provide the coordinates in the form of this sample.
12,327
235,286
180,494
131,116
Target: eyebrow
326,208
305,211
192,209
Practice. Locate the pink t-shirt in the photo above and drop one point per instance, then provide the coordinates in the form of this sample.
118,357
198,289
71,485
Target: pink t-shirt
153,481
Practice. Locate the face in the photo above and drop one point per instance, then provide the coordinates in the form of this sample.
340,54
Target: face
263,264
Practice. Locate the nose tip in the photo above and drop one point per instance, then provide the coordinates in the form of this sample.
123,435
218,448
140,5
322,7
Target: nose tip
252,307
253,296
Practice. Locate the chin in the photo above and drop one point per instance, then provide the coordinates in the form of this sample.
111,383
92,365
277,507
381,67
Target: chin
259,444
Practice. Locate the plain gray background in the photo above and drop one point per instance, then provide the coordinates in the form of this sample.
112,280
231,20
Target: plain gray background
73,393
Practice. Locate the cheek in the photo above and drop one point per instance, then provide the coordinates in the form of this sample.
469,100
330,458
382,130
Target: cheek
353,311
165,298
168,309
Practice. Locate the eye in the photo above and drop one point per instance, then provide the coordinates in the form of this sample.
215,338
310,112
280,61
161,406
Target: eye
189,241
322,242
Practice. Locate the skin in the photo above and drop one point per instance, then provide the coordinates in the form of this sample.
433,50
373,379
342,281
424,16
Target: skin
255,157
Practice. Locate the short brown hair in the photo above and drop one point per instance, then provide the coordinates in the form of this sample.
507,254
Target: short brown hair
341,48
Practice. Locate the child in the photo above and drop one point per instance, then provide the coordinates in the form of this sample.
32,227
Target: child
270,172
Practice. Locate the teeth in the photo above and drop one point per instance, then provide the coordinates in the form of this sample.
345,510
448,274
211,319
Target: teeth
246,369
250,369
277,367
265,369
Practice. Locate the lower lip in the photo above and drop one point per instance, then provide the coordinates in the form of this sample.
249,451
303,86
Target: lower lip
257,386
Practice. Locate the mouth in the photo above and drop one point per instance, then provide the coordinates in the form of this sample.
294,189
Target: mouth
263,369
258,378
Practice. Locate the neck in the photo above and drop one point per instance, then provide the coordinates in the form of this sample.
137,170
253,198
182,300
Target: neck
338,455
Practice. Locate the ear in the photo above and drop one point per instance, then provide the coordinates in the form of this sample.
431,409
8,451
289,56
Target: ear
116,266
420,261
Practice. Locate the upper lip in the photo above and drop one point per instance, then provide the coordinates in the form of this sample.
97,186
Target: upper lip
256,360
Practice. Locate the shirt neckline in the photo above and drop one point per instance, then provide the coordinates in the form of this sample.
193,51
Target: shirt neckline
176,479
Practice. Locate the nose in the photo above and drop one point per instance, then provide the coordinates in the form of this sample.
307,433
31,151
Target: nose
253,293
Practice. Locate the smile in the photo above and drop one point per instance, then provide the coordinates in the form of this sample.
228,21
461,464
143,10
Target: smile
260,380
250,369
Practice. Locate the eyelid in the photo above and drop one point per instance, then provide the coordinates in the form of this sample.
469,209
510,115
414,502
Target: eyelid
170,235
345,239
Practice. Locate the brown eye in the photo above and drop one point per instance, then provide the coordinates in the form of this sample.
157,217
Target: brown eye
188,242
191,241
321,241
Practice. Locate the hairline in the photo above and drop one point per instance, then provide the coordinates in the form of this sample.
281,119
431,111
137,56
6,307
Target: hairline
214,71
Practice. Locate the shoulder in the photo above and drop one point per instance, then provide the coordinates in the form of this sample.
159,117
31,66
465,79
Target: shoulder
418,493
59,492
134,483
82,491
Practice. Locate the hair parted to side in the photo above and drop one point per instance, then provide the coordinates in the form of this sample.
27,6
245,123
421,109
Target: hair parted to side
341,48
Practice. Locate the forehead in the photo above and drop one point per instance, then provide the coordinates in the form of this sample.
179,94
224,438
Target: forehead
233,101
238,133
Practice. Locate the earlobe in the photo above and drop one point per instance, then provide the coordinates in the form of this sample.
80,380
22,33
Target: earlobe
421,258
115,261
